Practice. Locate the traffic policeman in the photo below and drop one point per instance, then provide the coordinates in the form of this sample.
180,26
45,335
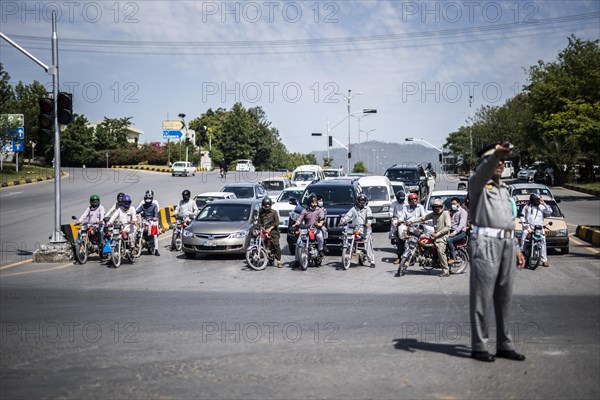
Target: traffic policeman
494,252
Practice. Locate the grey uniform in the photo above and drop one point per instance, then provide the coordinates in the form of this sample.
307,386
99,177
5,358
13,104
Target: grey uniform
493,250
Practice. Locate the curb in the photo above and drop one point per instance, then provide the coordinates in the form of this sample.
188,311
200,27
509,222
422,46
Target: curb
582,190
147,168
590,234
25,181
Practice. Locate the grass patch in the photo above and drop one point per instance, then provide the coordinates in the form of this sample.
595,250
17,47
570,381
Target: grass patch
9,174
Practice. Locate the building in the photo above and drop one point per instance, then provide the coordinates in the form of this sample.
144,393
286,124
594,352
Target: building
133,134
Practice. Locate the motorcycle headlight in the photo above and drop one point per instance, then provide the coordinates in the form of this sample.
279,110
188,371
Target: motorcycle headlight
239,235
561,232
187,233
518,233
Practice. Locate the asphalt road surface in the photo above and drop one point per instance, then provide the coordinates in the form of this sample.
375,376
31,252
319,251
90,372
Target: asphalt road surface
169,327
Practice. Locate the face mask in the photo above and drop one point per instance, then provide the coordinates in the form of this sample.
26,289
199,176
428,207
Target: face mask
320,204
454,207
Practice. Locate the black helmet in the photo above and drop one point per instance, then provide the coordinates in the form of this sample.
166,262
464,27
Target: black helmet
362,200
267,201
534,199
186,193
120,196
400,196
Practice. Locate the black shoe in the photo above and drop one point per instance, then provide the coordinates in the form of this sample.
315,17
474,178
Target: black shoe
321,254
482,356
156,253
295,265
510,354
372,265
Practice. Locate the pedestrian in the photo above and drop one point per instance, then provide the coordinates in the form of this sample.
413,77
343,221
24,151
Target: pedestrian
494,252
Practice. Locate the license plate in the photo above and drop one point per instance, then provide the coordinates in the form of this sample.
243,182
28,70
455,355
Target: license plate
209,244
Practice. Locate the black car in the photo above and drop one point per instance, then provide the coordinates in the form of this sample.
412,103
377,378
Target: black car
339,196
413,176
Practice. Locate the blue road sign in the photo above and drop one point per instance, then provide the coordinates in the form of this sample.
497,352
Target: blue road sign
19,133
172,134
18,146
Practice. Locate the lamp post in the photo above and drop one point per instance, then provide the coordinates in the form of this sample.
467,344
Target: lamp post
410,139
365,113
367,132
348,98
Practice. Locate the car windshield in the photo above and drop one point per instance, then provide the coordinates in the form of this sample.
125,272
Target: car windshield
333,196
224,212
284,197
179,164
447,199
398,187
519,191
273,185
404,175
376,193
201,201
555,210
304,176
331,173
243,161
242,192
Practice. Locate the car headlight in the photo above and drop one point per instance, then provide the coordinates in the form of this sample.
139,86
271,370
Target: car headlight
187,233
385,208
561,232
239,235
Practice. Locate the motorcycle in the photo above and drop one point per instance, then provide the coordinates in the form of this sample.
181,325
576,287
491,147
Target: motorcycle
143,238
420,249
223,173
309,251
120,246
353,244
177,239
88,241
533,246
260,251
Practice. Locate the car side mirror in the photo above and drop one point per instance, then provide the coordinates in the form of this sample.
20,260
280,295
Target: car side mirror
293,201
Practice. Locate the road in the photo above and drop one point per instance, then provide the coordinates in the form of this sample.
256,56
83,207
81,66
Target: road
168,327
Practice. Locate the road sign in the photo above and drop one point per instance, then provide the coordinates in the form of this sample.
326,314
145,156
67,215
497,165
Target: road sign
19,133
172,125
18,146
18,119
172,134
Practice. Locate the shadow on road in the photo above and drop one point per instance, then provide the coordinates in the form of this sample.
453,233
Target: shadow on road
412,345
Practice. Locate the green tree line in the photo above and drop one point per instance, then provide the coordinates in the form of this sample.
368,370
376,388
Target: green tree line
556,118
238,133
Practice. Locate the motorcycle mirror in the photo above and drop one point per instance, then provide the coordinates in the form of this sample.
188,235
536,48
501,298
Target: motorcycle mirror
293,201
550,223
73,217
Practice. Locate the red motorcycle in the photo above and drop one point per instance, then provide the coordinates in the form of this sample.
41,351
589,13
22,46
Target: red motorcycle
420,249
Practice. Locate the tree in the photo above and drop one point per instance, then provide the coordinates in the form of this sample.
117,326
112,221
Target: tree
74,142
359,167
111,133
327,161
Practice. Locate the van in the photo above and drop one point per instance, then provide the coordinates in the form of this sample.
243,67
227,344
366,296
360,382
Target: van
380,193
509,170
307,174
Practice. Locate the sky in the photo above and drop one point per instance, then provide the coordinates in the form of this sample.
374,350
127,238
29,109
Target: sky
425,66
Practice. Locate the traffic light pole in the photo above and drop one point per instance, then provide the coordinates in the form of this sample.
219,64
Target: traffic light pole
57,235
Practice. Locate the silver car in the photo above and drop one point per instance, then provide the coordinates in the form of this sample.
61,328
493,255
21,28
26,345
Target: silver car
222,226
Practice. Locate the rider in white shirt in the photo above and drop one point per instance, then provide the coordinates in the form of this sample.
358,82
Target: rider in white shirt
533,214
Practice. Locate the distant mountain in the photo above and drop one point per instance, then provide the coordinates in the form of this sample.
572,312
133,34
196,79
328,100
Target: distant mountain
378,156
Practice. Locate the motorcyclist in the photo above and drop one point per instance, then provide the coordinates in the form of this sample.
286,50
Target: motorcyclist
533,214
398,214
116,206
269,220
94,215
324,227
186,208
126,217
149,212
458,226
149,193
441,223
415,209
313,216
360,215
223,167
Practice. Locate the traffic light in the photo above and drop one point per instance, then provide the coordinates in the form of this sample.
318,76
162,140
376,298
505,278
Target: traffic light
349,155
187,141
46,118
64,103
330,141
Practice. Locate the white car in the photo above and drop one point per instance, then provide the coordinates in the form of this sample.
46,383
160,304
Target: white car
183,168
509,170
283,206
274,186
244,165
203,199
446,196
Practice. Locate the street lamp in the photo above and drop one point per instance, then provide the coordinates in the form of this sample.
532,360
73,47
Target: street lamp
410,139
365,113
367,132
348,98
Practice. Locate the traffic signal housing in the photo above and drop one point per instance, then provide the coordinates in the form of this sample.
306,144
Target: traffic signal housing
330,141
64,103
46,118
